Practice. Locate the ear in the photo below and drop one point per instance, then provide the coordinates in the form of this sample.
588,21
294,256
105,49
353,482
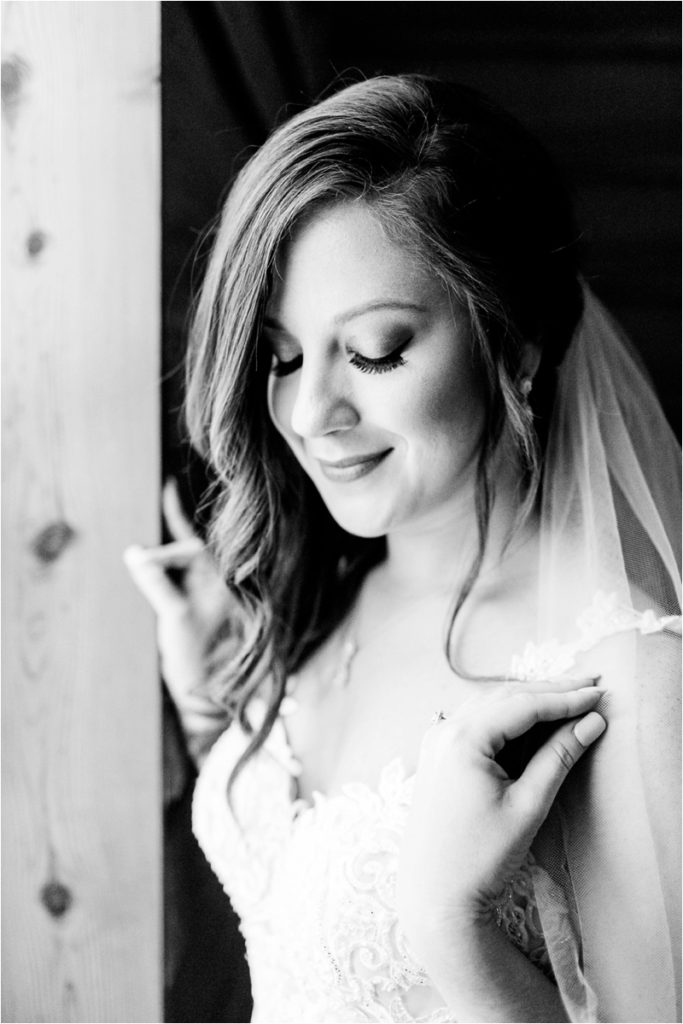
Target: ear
531,358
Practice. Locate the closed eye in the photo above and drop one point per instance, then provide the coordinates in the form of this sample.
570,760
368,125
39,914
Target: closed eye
382,365
281,367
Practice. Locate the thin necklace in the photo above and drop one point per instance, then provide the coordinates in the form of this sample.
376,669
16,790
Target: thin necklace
350,644
349,649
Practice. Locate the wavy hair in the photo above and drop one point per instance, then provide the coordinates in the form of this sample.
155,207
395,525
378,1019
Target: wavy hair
461,186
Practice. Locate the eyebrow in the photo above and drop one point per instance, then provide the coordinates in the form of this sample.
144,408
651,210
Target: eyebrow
356,311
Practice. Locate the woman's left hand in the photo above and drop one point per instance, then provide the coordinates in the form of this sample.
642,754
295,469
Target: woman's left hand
470,825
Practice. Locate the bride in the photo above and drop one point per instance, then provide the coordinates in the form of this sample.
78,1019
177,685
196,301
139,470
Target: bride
427,661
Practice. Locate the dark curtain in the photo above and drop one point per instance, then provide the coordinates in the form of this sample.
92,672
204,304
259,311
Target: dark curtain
598,83
229,71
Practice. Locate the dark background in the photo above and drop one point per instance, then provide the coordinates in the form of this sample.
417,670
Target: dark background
598,83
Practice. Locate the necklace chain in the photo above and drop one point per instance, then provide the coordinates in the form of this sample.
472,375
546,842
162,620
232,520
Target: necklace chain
343,674
350,644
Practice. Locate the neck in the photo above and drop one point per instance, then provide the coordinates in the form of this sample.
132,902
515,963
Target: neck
437,554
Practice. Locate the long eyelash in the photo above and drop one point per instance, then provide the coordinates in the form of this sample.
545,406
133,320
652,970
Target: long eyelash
383,365
281,368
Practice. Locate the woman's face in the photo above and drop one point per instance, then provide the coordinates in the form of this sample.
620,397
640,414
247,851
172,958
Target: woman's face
373,385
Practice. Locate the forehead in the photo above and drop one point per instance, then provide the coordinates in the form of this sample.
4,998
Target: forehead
342,257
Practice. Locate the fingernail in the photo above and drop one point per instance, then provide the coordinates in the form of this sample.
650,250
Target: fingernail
589,728
592,689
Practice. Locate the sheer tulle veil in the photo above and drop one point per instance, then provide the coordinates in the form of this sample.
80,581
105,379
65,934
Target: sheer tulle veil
609,566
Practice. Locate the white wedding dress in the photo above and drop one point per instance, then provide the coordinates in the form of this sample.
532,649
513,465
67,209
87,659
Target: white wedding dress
314,884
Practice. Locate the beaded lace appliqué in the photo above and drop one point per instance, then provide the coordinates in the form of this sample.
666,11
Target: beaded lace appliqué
314,884
604,617
315,887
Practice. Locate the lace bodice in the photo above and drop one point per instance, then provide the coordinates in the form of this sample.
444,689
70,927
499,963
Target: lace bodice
314,884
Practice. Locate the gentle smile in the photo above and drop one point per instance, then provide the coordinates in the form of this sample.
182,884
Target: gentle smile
353,467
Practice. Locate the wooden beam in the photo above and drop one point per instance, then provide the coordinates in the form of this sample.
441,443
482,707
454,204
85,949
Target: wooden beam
81,842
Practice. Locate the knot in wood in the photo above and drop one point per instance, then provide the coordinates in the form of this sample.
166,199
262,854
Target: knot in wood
14,73
51,542
56,898
35,243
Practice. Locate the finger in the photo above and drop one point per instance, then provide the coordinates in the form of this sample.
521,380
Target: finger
179,525
176,555
151,579
561,685
512,717
540,782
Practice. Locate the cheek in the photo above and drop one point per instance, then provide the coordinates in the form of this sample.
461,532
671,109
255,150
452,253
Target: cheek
450,411
281,396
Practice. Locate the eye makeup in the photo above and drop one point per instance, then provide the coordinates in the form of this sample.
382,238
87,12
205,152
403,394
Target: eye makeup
282,367
383,365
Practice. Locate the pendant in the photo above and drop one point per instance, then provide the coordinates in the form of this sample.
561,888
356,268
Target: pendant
343,673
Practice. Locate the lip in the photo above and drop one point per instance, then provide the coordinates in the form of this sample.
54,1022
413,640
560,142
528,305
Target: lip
353,467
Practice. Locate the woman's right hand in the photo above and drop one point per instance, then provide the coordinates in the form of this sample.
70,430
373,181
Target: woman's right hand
471,825
188,613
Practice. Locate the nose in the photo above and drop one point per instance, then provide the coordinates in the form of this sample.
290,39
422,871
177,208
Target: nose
323,403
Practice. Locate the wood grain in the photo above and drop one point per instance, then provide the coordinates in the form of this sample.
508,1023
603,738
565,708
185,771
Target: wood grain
80,308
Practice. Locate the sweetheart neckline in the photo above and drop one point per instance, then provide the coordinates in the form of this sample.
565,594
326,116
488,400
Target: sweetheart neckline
601,618
302,805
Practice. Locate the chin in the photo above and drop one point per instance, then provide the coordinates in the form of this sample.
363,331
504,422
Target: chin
368,533
362,525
